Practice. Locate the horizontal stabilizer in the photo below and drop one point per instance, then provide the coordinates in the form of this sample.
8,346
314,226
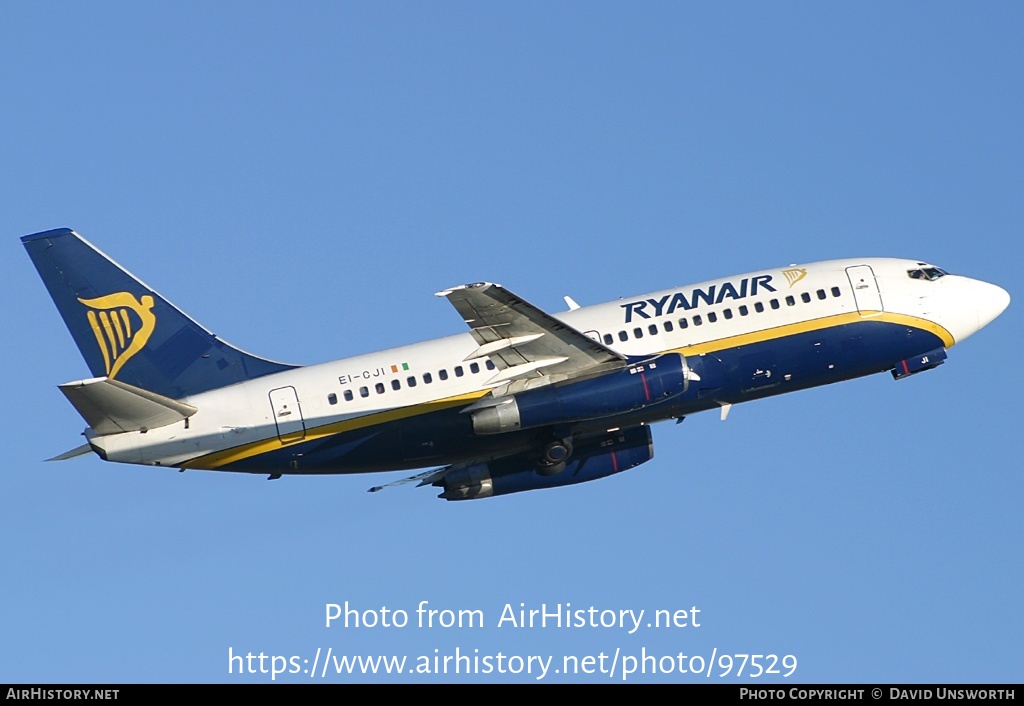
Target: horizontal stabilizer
73,453
112,407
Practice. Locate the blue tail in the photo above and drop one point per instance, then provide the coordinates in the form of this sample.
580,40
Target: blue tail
128,332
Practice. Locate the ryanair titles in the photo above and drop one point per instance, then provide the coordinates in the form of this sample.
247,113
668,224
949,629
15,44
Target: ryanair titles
686,300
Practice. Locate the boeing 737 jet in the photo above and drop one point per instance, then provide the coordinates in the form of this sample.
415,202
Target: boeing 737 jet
524,400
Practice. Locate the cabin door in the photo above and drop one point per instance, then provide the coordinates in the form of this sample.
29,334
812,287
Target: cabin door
287,414
865,289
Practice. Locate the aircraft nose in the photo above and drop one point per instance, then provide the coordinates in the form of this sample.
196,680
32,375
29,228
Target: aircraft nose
969,305
991,302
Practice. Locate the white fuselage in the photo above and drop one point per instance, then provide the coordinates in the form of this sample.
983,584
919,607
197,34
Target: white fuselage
248,419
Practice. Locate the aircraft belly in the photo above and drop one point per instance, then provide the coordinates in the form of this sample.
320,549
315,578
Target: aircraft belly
743,373
434,438
796,362
565,398
820,357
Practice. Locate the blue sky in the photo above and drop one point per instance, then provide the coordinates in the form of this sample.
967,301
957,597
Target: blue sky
301,180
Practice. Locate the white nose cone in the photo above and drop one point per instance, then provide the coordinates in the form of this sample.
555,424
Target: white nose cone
971,305
992,301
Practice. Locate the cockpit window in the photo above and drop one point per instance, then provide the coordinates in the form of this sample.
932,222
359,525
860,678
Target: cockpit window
929,273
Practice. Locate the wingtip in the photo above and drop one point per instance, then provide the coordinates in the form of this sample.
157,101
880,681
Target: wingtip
474,285
55,232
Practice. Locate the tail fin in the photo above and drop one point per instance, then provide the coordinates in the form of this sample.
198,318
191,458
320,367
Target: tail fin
127,331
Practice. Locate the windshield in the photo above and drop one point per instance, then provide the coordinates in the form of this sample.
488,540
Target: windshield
927,272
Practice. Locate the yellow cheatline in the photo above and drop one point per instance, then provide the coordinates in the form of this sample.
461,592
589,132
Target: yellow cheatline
239,453
826,322
924,324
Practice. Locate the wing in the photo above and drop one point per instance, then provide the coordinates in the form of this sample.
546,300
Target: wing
526,345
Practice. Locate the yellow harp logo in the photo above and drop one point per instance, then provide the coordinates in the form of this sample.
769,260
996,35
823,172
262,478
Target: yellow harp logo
122,325
795,275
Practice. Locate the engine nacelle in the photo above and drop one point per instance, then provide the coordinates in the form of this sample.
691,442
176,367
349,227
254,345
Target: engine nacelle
632,388
594,458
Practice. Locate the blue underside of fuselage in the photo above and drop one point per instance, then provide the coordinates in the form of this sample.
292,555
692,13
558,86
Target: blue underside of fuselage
730,375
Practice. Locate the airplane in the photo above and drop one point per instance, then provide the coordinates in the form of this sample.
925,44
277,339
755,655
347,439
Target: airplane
524,400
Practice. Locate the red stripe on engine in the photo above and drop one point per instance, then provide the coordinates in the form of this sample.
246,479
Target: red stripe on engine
647,392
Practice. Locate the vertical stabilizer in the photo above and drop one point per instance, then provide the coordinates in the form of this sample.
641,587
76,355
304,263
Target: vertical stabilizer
126,331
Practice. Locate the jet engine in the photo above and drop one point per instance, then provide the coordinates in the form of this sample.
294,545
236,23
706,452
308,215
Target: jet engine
596,457
637,386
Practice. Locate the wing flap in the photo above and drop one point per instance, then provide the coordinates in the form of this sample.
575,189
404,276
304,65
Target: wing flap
524,341
523,370
501,344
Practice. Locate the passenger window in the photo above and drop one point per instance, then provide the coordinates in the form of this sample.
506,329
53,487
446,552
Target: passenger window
458,371
697,321
638,333
652,329
474,368
489,365
380,388
332,398
364,392
608,339
806,297
347,395
443,374
774,303
623,336
668,326
428,378
683,323
790,300
744,310
411,381
396,384
835,291
758,307
712,317
821,294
